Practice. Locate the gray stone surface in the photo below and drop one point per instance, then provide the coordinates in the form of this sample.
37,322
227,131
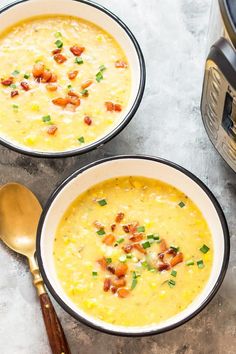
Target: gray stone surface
172,35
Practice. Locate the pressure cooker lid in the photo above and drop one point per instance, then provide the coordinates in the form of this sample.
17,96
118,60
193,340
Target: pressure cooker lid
228,12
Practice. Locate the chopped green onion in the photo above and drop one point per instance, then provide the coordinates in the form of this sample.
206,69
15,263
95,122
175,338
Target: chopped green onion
102,68
144,264
129,256
146,244
102,202
46,118
81,139
94,274
120,240
69,87
173,273
200,264
58,34
189,263
171,283
204,249
13,86
79,60
101,232
84,92
59,43
99,76
26,76
15,72
141,229
181,204
152,270
108,260
15,106
174,248
134,283
122,258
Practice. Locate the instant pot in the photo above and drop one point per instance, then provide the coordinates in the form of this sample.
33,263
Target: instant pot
218,104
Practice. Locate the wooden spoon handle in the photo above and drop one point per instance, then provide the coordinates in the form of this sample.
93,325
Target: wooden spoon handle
54,329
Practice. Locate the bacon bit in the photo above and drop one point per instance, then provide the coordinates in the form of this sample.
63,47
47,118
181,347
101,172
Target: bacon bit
59,58
113,289
102,262
14,93
70,107
109,106
60,101
119,217
56,51
87,120
136,238
139,248
38,70
121,270
163,266
118,283
117,108
72,75
7,82
25,86
163,246
86,84
107,284
53,78
98,225
126,228
177,259
113,227
127,248
111,269
109,240
51,87
161,255
121,64
123,292
52,130
77,51
171,251
74,100
46,76
133,228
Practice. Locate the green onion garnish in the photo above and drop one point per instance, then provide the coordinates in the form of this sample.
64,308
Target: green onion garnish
152,270
189,263
94,274
204,249
102,68
58,34
26,76
200,264
144,264
81,139
13,86
120,240
15,106
84,92
141,229
15,72
173,273
108,260
101,232
129,256
171,283
69,87
79,60
174,248
181,204
102,202
146,244
99,76
134,281
46,118
59,43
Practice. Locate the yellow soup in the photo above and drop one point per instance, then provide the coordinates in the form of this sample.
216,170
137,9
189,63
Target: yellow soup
133,251
64,83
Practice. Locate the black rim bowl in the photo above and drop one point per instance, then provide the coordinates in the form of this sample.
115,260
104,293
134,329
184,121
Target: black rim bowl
210,296
117,129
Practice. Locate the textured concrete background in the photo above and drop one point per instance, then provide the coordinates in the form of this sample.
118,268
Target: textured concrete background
172,35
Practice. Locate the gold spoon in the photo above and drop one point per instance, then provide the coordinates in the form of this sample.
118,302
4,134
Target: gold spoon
19,215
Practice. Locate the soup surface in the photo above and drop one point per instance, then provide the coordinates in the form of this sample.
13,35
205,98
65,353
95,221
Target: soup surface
64,83
133,251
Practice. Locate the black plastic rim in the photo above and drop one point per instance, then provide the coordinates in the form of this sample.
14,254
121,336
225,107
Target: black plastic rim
210,195
228,21
117,129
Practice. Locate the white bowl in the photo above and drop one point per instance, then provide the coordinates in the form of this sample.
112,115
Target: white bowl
147,166
18,11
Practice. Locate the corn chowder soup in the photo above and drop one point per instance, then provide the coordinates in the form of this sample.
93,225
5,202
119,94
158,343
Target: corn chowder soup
64,83
133,251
